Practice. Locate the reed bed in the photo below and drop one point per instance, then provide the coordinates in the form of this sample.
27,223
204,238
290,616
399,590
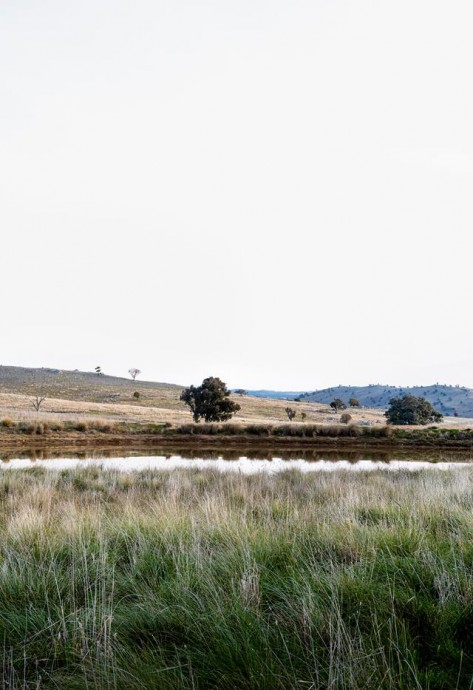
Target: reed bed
197,579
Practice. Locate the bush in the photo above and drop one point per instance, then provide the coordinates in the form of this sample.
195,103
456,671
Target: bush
346,418
136,395
7,423
338,404
291,413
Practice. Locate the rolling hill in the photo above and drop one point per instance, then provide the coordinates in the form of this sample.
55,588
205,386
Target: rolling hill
449,400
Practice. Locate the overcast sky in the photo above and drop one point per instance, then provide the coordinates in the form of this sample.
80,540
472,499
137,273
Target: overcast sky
276,192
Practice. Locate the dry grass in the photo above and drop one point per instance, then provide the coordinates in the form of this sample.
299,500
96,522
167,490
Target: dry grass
72,397
18,407
190,579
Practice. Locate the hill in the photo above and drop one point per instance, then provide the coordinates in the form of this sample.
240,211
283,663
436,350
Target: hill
87,396
86,386
449,400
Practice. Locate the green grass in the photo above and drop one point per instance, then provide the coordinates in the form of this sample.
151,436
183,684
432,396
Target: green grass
204,580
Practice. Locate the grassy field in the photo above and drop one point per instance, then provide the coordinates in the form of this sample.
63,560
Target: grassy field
74,396
207,580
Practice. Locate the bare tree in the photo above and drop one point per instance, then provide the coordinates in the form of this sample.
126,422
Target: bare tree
37,402
38,389
134,372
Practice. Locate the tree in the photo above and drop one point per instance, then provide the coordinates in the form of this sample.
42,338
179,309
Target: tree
241,391
290,413
37,402
134,372
98,371
338,404
411,410
354,402
38,385
210,400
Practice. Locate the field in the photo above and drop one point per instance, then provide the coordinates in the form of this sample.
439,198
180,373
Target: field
86,397
205,580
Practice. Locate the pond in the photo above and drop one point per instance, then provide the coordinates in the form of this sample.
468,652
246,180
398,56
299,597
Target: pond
269,461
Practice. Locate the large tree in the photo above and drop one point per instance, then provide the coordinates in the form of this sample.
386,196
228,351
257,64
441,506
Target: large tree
411,410
210,401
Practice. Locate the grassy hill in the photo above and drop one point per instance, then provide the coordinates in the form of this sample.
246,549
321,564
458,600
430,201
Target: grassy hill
79,395
446,399
83,395
86,386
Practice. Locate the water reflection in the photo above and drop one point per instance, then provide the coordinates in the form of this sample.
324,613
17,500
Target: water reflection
249,462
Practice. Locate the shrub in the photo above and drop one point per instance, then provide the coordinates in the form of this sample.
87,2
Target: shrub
291,413
338,404
346,418
136,395
7,423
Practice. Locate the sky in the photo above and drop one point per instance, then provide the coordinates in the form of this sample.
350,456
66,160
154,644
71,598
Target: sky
275,192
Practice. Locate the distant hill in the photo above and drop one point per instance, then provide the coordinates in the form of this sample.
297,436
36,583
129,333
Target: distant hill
275,395
446,399
85,386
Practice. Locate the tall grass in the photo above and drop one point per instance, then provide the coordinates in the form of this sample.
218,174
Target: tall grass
205,580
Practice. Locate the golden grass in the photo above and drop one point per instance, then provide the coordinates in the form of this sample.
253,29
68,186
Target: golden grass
167,408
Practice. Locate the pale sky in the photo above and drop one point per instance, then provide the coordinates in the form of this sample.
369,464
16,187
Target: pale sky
276,192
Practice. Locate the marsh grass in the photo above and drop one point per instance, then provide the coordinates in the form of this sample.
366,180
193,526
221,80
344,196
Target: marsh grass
196,579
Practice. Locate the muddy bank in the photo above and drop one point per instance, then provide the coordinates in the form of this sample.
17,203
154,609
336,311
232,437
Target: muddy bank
176,442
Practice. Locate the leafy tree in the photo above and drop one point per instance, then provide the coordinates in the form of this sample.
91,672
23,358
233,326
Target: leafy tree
354,402
241,391
210,401
411,410
338,404
134,372
290,413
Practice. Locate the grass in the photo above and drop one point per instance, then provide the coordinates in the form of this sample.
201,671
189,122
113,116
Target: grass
204,580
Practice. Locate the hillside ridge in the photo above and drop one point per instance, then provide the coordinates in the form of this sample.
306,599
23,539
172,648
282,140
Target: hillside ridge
449,400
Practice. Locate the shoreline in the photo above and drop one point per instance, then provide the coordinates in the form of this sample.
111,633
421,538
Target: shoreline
170,440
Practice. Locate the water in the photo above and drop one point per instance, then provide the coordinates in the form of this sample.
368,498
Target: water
319,462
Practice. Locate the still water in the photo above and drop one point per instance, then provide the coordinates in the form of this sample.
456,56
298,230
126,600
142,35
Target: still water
267,462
